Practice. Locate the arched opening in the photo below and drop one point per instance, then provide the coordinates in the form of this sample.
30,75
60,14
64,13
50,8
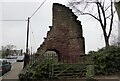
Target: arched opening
52,54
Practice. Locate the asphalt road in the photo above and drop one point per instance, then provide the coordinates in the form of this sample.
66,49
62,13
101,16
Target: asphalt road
13,74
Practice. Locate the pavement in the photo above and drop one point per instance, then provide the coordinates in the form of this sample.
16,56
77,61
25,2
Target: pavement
13,74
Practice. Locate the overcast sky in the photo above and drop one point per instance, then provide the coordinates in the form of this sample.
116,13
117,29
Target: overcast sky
14,32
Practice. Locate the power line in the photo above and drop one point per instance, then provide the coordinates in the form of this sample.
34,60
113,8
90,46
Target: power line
31,15
37,9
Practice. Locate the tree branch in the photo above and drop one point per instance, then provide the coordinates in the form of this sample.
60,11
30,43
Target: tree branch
107,8
110,14
91,15
99,14
111,22
103,3
104,17
82,13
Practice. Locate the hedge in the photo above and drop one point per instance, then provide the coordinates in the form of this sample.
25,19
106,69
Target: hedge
106,60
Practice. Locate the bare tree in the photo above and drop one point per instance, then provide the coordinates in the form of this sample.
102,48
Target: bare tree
100,10
10,47
6,50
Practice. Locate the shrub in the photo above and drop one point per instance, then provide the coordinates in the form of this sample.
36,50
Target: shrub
44,70
106,60
37,70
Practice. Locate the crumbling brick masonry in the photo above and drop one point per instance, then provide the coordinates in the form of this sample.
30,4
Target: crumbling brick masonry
65,36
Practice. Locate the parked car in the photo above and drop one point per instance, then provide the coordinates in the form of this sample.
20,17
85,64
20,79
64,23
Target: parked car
12,57
20,59
5,66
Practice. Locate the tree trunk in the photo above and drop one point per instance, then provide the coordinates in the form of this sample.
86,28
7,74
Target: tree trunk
106,38
107,42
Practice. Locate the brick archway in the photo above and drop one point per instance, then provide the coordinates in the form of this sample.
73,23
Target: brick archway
55,53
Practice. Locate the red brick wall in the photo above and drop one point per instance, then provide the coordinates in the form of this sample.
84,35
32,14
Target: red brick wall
65,35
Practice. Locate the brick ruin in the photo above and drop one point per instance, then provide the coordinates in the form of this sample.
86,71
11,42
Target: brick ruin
65,36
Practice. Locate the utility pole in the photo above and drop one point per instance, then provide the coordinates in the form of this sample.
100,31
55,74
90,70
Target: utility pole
27,58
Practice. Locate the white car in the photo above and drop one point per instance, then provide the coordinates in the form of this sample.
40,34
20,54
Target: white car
12,57
20,59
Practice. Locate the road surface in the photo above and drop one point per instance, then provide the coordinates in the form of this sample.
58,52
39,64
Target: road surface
13,74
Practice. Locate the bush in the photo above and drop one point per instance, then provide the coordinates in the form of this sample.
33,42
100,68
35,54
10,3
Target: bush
44,70
106,60
37,70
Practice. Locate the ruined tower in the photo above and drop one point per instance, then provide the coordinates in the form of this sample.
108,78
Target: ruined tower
65,36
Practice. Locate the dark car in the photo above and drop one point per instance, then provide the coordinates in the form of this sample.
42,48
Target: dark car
5,66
